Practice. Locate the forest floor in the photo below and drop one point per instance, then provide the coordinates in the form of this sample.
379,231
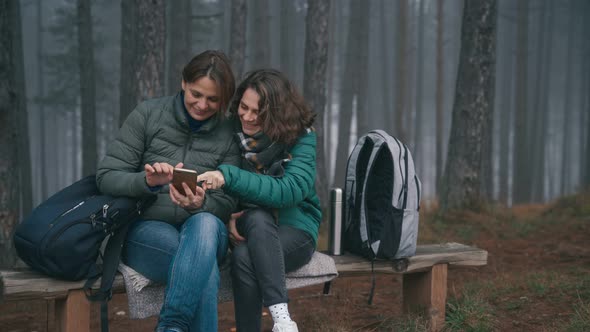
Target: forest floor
537,279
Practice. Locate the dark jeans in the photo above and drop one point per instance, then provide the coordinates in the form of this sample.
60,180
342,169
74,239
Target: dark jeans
259,265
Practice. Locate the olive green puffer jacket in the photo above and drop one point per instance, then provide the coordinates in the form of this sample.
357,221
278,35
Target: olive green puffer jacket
293,194
158,131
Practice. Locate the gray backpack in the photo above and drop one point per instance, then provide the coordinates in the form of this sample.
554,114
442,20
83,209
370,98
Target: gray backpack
382,199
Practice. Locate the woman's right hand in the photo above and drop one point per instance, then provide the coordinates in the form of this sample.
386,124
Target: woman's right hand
159,174
234,237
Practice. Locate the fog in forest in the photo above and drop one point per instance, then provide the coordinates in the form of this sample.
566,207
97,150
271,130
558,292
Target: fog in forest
391,65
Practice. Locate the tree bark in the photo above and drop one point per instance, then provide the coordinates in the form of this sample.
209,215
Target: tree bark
44,186
9,120
542,100
439,92
237,43
351,87
143,41
316,61
417,148
568,96
87,88
401,70
521,184
24,151
179,42
473,106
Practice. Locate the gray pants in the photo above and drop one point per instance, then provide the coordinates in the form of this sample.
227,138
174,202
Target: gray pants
259,265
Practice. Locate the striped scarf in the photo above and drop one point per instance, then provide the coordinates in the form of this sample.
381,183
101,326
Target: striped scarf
263,155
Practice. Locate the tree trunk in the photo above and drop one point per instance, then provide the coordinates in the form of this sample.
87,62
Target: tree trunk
439,92
40,105
350,87
87,87
261,56
9,120
179,42
401,70
586,182
417,148
362,64
521,184
237,43
316,60
568,96
388,75
542,101
473,106
143,41
24,151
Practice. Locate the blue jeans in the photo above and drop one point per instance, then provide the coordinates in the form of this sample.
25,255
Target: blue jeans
184,257
259,265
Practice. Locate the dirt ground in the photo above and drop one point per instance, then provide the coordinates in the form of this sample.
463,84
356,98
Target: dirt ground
537,279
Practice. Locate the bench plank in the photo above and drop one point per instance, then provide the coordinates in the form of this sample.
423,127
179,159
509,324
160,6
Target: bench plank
454,254
26,284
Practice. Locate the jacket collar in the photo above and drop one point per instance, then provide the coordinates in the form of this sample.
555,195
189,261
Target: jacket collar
180,114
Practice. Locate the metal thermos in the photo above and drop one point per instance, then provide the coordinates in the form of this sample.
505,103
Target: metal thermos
336,221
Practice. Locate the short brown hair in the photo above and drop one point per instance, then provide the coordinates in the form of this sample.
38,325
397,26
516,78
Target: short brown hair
282,111
216,66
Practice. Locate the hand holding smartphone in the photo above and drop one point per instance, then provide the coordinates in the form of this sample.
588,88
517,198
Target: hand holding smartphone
187,176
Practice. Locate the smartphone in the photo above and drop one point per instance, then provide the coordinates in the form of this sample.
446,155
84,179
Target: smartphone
187,176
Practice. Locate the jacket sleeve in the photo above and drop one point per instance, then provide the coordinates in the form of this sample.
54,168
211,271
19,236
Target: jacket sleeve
218,201
120,172
276,192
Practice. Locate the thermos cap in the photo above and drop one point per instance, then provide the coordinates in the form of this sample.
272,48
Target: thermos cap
336,195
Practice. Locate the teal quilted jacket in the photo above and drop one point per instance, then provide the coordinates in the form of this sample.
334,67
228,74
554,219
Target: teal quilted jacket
293,195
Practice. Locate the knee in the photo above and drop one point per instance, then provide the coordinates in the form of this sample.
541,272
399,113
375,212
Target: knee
258,219
204,222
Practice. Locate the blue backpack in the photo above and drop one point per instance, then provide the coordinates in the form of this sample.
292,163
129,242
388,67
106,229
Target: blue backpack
63,236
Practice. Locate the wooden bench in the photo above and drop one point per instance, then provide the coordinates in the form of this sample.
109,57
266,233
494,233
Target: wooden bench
424,284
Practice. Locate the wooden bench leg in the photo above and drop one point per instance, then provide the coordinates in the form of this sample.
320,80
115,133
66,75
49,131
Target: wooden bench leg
72,314
427,291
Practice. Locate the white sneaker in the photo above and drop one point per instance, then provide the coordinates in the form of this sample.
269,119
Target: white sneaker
285,327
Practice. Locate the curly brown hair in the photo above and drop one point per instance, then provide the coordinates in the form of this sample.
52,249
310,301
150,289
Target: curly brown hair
283,113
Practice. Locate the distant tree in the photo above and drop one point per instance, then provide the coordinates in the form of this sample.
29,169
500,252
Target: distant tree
143,37
237,42
566,159
439,92
353,82
401,70
9,121
521,184
179,42
542,81
260,39
87,87
472,107
419,95
24,150
314,89
39,98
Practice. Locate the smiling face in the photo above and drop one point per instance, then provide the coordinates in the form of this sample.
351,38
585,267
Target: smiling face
201,98
248,112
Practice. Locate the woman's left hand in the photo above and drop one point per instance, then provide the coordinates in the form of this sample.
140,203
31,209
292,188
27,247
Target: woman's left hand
190,201
213,179
234,236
